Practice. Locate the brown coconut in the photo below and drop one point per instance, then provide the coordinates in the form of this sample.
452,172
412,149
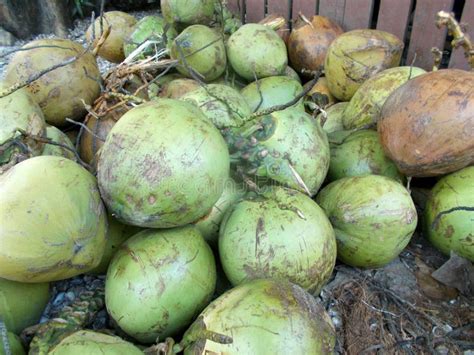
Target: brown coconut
90,144
320,94
309,42
427,124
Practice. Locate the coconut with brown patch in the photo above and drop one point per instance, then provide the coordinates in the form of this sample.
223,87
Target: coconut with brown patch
158,281
449,214
262,316
63,92
162,165
427,124
357,55
53,220
280,233
373,217
309,42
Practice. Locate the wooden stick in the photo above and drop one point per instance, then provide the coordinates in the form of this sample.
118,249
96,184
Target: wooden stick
460,39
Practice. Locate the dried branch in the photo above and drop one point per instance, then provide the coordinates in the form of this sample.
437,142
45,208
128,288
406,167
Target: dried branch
460,39
51,142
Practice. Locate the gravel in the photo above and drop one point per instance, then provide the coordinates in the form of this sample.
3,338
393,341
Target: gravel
64,293
77,33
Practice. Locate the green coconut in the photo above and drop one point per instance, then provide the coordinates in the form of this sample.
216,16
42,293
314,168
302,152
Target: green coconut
449,214
364,108
255,50
162,165
262,317
288,147
357,55
360,153
153,29
200,49
373,216
209,224
59,137
120,25
19,113
21,304
53,221
117,234
175,89
14,345
279,234
62,93
188,13
335,116
223,106
87,342
158,281
272,91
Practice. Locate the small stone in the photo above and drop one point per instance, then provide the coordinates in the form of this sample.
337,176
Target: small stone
441,350
337,322
59,299
6,38
374,325
70,296
441,331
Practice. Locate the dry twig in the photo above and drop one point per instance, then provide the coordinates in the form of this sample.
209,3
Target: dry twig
460,39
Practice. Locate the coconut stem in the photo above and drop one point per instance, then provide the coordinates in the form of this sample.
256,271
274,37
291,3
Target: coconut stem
275,22
305,20
460,39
